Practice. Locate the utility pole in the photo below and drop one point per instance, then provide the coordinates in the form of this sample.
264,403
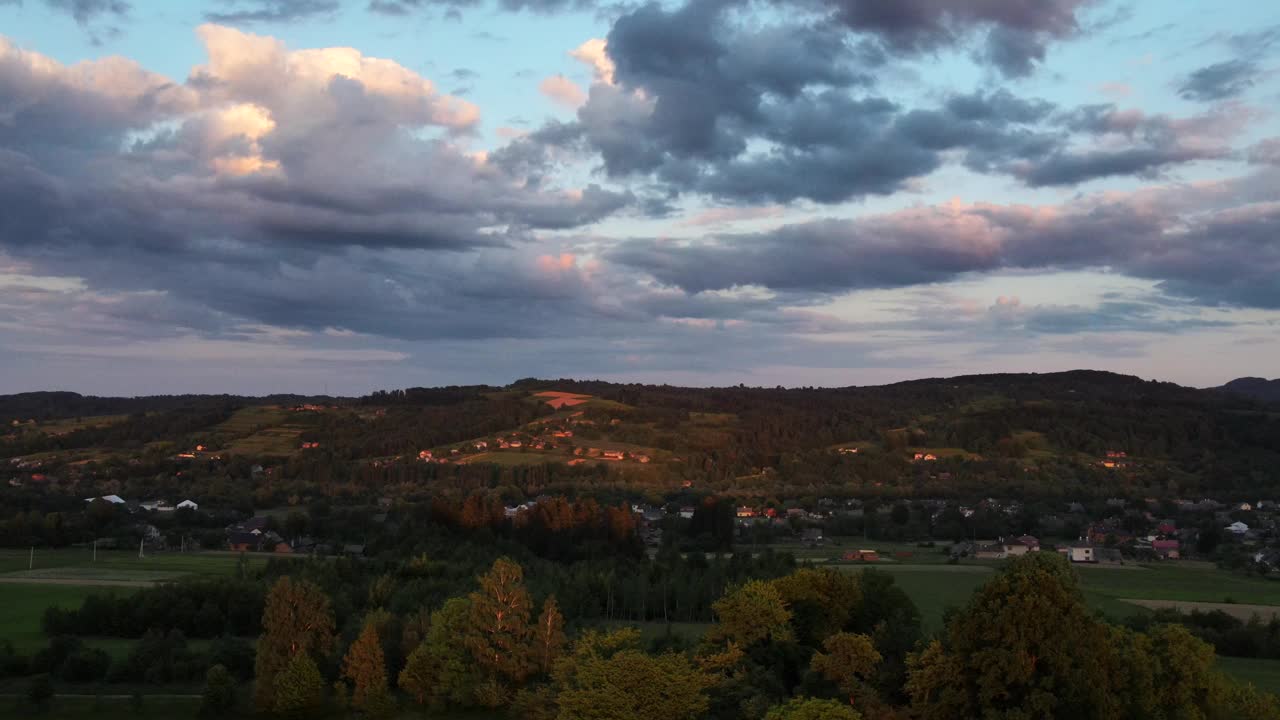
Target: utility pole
95,550
140,544
31,563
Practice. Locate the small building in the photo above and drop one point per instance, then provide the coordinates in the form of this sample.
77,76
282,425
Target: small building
117,500
862,556
1167,549
1079,552
188,505
991,551
1237,528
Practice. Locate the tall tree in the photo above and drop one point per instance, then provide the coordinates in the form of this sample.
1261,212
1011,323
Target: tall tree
365,666
548,637
297,620
499,633
752,613
440,672
219,697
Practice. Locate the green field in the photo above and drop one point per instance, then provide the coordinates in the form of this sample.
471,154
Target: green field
126,561
106,707
1105,587
22,607
1263,674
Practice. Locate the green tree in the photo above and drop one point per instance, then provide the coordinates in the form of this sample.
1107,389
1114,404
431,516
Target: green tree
1025,647
297,620
298,689
440,671
821,601
219,697
811,709
848,661
752,613
365,666
608,676
499,631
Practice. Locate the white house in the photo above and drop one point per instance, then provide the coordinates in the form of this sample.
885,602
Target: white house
1078,552
113,499
188,504
1237,528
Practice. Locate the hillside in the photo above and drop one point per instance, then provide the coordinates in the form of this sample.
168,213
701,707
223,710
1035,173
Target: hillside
1256,388
1059,434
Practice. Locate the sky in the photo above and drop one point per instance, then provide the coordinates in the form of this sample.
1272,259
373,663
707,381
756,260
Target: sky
339,196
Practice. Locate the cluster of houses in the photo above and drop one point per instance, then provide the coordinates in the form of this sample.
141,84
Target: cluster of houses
147,505
550,438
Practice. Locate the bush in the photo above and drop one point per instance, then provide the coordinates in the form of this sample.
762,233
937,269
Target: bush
85,665
40,690
219,696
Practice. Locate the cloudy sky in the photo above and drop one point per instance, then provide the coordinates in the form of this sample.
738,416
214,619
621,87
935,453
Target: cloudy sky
304,196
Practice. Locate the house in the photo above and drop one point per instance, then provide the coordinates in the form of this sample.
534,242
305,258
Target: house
424,454
243,541
117,500
848,451
613,454
1244,507
642,459
1115,454
310,445
862,556
156,506
1167,549
482,445
1029,542
927,457
1237,528
1079,552
516,444
746,512
686,512
188,505
991,551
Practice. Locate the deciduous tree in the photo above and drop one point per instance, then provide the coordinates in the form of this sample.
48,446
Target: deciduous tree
297,620
499,631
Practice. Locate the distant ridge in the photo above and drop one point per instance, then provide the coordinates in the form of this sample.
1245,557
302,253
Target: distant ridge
1255,387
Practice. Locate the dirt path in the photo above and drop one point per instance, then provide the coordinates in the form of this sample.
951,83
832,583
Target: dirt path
86,581
1243,612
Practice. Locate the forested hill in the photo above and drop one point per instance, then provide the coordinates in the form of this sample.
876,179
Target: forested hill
1060,433
1255,387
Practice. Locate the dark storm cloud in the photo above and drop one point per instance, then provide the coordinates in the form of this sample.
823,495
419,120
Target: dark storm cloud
1220,80
248,12
1018,32
1227,256
750,113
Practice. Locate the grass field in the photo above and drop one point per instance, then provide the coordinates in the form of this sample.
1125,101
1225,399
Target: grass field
1106,588
74,576
104,708
1263,674
22,607
12,561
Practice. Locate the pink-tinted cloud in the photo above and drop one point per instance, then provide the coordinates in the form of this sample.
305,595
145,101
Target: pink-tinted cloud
563,91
